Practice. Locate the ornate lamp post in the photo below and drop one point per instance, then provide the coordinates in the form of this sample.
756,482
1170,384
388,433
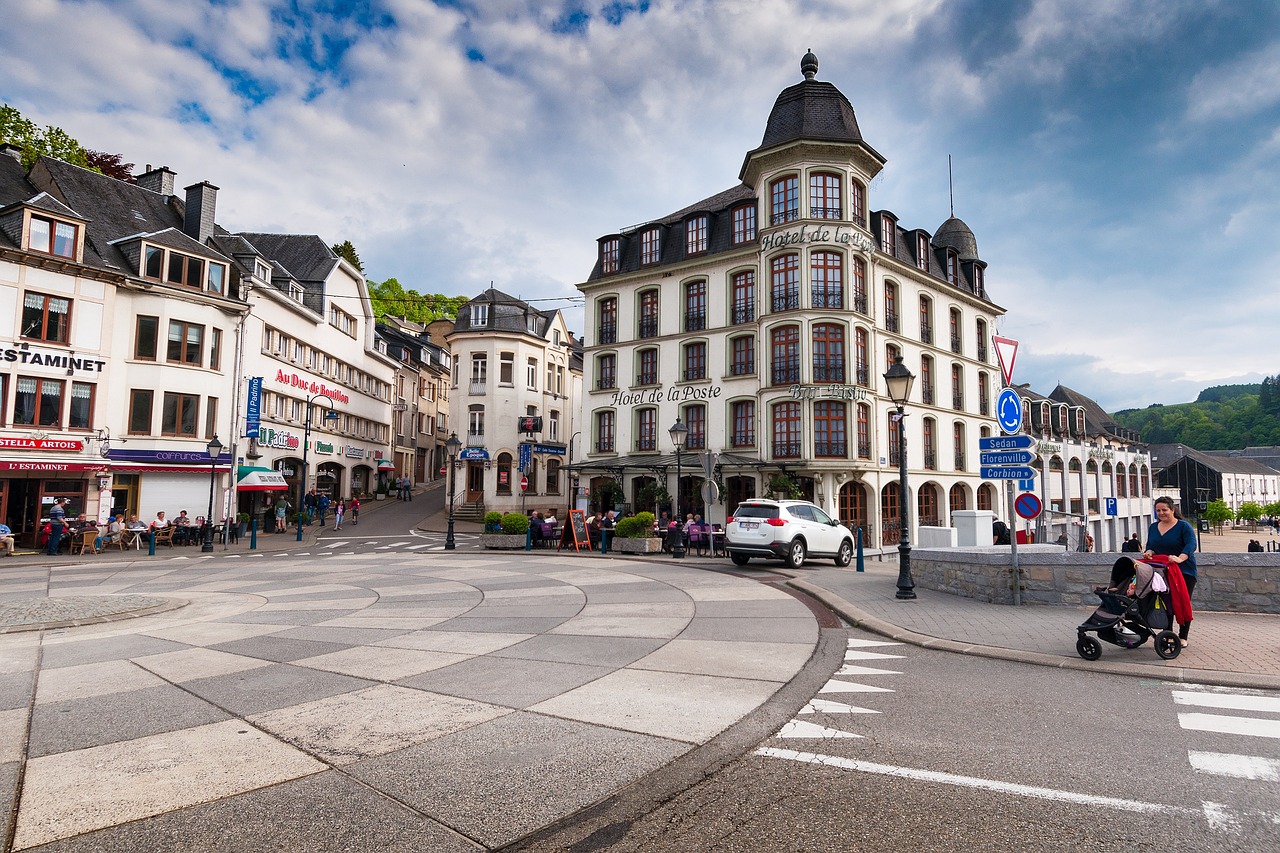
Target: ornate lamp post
215,449
330,417
897,381
675,536
452,446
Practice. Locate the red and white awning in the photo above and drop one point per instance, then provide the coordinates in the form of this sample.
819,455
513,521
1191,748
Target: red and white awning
251,479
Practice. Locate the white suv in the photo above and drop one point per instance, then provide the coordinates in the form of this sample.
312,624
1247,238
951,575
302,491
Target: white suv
786,530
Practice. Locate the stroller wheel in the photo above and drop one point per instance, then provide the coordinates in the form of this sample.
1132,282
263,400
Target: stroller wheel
1088,648
1168,646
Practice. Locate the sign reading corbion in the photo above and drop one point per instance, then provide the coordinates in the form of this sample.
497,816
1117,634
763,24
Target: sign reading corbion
296,380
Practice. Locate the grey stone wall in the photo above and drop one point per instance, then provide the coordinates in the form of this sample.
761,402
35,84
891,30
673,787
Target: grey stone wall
1240,583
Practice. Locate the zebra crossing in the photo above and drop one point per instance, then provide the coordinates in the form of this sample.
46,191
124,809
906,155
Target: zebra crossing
1235,713
337,546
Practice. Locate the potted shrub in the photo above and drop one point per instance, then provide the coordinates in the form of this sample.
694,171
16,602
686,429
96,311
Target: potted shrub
513,527
493,522
784,488
242,523
634,535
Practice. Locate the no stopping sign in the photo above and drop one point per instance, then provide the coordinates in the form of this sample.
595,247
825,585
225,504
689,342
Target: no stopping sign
1027,505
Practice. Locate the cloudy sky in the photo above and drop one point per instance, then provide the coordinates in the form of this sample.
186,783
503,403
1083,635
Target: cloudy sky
1117,161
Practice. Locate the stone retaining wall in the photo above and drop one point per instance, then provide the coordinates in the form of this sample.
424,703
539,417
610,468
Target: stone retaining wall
1241,583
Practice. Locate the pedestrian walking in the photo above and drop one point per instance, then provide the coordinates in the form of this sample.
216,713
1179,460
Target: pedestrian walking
322,507
282,510
354,509
339,510
57,525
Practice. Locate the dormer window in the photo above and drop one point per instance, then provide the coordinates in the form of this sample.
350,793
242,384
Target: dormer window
52,237
531,324
651,246
888,235
174,267
1080,421
922,252
953,267
695,235
261,271
479,314
295,291
609,255
744,224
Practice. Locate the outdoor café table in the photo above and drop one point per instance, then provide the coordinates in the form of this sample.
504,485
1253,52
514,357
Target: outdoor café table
136,537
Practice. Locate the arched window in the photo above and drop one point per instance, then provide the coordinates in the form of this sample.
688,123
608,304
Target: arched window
928,443
864,431
824,196
785,348
982,340
647,430
553,477
607,329
890,306
830,435
926,380
862,373
828,353
894,438
826,278
957,344
784,200
958,444
926,320
858,276
852,503
695,418
786,430
986,497
744,297
927,506
648,313
504,473
957,387
857,203
958,499
784,283
695,305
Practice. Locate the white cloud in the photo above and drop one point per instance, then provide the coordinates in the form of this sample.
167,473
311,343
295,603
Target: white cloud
1236,89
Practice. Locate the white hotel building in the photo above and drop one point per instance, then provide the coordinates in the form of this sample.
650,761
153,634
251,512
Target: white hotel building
764,318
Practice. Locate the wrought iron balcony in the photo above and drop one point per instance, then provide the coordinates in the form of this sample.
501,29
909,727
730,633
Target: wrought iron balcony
744,314
786,301
786,450
860,303
695,321
890,321
828,370
647,377
786,373
608,333
827,299
648,327
830,448
926,333
743,368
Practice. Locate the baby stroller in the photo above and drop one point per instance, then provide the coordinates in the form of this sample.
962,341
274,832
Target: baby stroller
1135,606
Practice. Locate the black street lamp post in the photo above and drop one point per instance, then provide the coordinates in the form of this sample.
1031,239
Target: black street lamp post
330,416
452,445
897,380
215,449
675,536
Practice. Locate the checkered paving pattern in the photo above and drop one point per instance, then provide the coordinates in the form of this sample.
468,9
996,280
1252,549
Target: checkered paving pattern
398,702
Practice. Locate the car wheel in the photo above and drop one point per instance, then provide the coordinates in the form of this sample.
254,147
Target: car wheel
845,555
738,559
795,554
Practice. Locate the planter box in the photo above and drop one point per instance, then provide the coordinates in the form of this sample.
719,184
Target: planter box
380,496
643,545
502,541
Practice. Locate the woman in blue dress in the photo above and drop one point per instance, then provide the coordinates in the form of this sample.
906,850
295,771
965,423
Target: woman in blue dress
1173,537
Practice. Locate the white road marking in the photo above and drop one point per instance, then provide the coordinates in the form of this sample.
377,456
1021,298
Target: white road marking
1236,766
339,543
1232,701
1220,818
849,669
392,545
826,706
973,782
1248,726
862,644
834,686
801,729
416,547
854,654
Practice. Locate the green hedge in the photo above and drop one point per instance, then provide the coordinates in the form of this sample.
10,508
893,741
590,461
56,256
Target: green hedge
515,524
635,526
492,522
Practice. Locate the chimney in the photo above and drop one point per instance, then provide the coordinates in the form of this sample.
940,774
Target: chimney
202,199
158,180
11,150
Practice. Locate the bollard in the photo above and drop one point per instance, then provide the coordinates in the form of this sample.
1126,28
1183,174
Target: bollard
528,538
862,565
253,534
604,540
151,542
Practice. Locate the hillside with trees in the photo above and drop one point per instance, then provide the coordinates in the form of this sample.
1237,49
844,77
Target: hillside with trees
1224,417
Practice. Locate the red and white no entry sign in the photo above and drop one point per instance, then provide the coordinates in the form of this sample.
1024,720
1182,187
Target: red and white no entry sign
524,484
1027,505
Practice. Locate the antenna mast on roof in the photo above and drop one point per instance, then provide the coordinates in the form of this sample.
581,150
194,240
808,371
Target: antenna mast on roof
951,188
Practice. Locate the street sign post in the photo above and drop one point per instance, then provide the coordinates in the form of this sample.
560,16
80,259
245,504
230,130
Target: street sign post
1011,472
1027,506
1006,442
1006,457
1009,411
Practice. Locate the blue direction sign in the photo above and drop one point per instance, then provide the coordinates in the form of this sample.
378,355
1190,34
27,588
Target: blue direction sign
1006,442
1007,457
1009,411
1010,473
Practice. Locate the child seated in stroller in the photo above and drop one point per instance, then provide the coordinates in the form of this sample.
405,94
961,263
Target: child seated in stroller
1135,605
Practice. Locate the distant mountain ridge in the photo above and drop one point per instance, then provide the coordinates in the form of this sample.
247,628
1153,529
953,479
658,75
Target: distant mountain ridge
1223,417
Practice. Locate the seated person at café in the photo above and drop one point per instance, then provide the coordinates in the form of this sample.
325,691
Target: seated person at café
551,518
183,533
160,520
110,534
535,527
6,539
135,524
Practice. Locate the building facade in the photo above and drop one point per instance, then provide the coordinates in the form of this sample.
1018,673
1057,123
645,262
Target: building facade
1093,476
117,371
1233,477
419,417
764,317
516,379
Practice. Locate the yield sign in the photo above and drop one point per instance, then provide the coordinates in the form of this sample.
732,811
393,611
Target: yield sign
1006,352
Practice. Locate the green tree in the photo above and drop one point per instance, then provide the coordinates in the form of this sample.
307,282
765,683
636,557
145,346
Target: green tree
391,299
52,141
1218,513
348,253
1250,512
111,165
1272,510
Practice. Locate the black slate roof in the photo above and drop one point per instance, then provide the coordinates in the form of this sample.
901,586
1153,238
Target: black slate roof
506,314
306,257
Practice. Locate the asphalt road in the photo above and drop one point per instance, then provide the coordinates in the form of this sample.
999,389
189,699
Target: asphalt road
927,750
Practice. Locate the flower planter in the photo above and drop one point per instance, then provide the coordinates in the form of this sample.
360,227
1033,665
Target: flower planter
644,545
502,541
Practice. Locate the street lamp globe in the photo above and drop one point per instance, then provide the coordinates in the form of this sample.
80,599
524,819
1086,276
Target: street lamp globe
897,381
214,449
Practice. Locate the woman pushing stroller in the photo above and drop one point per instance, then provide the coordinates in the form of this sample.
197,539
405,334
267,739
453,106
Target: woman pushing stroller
1170,536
